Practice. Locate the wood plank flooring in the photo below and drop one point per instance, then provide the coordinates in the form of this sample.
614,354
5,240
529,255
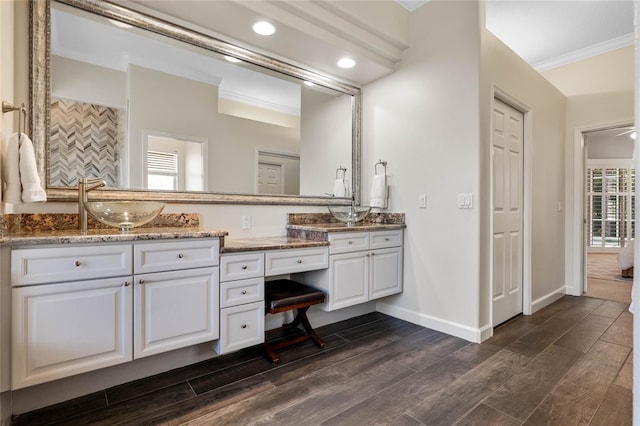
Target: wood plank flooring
570,363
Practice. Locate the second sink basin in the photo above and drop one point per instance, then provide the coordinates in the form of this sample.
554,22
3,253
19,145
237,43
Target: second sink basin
124,214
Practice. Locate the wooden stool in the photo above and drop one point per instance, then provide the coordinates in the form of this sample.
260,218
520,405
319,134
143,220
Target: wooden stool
286,295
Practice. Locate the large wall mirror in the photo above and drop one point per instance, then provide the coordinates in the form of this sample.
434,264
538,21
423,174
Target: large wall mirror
161,111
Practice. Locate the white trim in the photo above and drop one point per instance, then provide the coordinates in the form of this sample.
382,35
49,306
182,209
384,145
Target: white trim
575,281
548,298
527,210
585,53
445,326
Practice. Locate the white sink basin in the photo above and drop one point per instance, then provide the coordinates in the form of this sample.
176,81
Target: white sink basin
124,214
349,214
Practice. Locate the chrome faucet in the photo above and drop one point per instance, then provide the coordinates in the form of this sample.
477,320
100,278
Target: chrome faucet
84,186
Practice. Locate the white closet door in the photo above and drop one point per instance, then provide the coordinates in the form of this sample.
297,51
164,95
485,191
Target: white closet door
507,205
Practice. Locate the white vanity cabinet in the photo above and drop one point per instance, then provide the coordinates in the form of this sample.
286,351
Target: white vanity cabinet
64,324
84,307
363,266
241,301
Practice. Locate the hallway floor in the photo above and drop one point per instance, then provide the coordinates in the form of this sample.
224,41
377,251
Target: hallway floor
569,363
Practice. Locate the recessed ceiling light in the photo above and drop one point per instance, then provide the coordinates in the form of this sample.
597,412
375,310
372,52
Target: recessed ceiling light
120,24
346,63
309,83
232,59
264,28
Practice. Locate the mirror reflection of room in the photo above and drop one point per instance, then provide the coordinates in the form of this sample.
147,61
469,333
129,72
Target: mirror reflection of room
256,132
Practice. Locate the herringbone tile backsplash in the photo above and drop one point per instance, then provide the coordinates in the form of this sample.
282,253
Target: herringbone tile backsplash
84,142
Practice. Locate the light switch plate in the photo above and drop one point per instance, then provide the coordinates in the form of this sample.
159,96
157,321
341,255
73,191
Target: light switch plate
465,201
246,222
422,201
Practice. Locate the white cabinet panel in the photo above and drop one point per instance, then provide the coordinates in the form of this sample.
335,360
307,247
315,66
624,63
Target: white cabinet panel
56,264
384,239
292,261
346,242
386,272
240,326
174,310
169,256
241,266
234,293
64,329
349,282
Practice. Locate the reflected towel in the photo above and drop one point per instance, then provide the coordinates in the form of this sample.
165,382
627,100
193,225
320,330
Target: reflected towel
340,188
20,172
378,192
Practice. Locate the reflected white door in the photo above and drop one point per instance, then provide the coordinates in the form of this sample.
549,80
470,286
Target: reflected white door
270,178
507,205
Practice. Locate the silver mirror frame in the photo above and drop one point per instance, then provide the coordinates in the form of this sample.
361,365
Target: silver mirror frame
40,92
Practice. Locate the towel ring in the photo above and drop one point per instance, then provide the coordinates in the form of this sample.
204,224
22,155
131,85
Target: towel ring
386,186
22,118
344,173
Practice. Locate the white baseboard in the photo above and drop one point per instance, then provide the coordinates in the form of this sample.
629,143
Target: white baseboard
471,334
548,299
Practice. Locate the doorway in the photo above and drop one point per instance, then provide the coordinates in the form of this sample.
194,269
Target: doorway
507,165
609,182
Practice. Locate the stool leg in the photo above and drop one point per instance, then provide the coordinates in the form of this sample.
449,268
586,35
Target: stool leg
302,317
275,359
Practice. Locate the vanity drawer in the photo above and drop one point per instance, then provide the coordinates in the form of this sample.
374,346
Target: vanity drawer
240,327
383,239
170,256
57,264
235,293
292,261
241,266
345,242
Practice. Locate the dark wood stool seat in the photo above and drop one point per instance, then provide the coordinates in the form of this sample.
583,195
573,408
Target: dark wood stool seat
287,295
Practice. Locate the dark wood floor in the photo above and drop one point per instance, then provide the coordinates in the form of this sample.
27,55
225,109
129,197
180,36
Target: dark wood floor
569,363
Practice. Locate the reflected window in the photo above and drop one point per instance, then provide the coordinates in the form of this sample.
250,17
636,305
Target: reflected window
162,170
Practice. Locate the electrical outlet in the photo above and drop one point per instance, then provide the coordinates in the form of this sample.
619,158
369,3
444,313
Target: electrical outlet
246,222
422,201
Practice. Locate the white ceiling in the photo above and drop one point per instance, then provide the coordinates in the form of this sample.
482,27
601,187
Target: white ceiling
548,34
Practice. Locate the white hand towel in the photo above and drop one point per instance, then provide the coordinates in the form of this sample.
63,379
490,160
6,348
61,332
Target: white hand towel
32,191
340,188
11,170
378,191
20,172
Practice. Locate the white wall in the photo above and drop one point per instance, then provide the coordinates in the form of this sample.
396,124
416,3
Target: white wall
325,140
545,106
424,121
76,81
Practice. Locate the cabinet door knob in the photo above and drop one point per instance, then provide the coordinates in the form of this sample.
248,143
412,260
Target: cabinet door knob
78,263
299,260
243,326
127,283
243,292
141,281
244,267
180,255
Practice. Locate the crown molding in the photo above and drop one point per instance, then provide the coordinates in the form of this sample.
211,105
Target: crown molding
585,53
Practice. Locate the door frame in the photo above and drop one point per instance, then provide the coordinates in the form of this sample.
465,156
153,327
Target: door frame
527,172
577,273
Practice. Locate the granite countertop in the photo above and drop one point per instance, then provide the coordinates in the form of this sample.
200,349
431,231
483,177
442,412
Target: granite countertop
232,245
341,227
72,236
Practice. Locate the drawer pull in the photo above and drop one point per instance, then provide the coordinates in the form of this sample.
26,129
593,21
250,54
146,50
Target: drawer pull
78,263
141,281
350,242
127,283
243,292
386,239
244,267
243,326
299,260
180,255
